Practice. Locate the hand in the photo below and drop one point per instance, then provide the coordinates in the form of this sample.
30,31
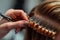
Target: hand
20,21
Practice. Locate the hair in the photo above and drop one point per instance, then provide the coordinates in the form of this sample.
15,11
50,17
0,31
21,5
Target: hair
40,27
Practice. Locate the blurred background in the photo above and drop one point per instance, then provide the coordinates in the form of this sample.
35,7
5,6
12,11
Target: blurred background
25,5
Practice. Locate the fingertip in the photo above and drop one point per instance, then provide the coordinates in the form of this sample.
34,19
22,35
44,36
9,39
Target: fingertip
22,13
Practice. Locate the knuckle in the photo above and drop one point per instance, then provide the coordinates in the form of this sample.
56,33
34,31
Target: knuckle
9,12
20,11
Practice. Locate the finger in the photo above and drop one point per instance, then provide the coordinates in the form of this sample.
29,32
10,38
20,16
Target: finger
21,14
11,25
17,13
10,13
17,30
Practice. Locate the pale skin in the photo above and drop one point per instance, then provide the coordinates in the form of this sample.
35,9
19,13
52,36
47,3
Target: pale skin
6,26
